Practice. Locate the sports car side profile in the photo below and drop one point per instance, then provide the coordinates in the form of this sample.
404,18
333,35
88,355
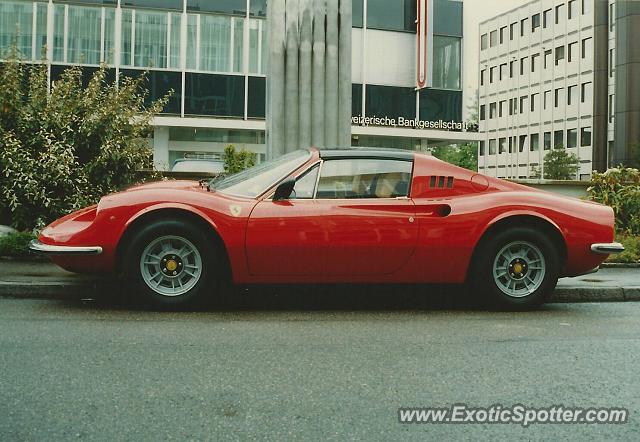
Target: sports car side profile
336,216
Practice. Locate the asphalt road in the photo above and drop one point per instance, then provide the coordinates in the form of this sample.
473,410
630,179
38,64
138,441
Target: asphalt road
73,370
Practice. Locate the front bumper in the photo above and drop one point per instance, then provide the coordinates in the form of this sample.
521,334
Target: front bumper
608,248
47,249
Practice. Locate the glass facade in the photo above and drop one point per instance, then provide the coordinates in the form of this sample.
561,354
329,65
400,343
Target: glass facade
213,54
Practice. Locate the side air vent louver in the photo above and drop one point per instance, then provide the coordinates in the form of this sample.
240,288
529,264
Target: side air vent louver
439,182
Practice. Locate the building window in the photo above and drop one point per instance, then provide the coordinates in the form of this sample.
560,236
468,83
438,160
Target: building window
611,108
586,6
510,106
559,54
558,139
258,46
572,97
546,16
559,14
492,147
523,104
547,141
216,35
587,47
215,95
534,100
83,34
586,92
547,58
523,142
492,111
501,108
391,101
534,61
523,26
534,143
612,16
391,16
16,24
493,38
230,7
449,16
482,148
484,42
436,104
558,97
573,9
503,71
585,137
612,66
511,144
482,112
547,95
482,72
572,51
535,22
503,32
572,138
512,68
446,62
502,145
492,72
512,31
523,63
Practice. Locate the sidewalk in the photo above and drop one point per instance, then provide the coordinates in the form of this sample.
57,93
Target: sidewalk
24,279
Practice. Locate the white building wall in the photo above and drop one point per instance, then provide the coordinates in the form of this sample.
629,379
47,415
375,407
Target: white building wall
524,86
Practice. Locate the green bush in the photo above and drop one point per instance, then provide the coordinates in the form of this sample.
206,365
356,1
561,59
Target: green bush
558,165
16,244
237,161
619,188
63,148
631,252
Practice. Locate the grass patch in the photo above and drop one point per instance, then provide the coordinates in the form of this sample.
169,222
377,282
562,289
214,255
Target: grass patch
16,245
631,252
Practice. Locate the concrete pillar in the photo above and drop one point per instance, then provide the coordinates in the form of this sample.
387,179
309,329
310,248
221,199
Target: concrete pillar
309,75
161,148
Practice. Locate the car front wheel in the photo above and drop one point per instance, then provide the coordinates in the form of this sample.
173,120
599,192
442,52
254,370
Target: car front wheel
170,263
517,269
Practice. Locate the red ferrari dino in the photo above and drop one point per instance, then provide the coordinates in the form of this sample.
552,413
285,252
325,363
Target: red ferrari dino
336,216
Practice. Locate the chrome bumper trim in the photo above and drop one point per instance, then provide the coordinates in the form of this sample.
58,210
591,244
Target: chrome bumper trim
48,249
607,249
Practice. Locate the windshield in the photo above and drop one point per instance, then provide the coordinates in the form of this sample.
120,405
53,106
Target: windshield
254,181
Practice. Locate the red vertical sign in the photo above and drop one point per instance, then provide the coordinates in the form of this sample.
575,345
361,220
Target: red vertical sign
422,59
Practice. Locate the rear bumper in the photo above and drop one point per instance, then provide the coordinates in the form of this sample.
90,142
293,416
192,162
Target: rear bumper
608,248
47,249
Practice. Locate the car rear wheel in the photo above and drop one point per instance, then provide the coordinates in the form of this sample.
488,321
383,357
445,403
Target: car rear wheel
517,269
171,263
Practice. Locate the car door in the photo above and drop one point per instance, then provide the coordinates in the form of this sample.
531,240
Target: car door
360,222
284,237
369,219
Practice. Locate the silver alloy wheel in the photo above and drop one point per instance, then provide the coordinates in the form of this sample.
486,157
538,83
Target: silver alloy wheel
171,265
519,269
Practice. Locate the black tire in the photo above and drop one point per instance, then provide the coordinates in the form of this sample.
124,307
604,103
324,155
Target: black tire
203,287
482,275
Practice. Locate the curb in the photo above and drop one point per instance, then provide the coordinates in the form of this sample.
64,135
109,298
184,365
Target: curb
67,291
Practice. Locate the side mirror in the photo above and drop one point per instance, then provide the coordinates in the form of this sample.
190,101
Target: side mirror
284,189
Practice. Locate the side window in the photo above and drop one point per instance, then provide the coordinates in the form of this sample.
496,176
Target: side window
364,178
305,185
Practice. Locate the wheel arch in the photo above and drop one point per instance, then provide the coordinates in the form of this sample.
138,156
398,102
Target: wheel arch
171,212
524,219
